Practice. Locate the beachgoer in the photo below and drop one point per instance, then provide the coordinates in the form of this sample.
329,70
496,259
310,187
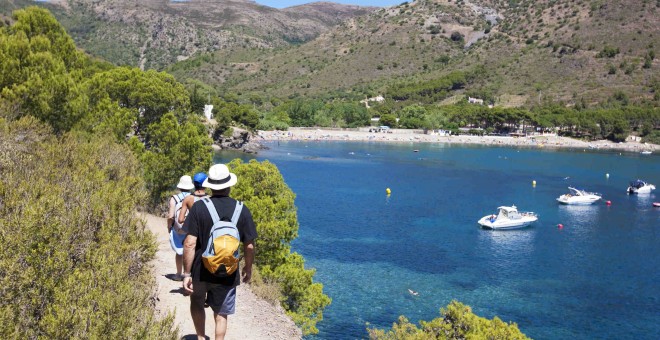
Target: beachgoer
176,240
204,287
199,193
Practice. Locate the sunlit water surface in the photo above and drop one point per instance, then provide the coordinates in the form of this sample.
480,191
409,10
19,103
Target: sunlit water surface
598,277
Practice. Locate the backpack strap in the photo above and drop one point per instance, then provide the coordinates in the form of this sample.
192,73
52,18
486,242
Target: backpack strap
212,210
179,197
237,213
214,213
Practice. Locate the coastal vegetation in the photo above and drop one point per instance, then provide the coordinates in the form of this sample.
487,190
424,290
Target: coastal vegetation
75,255
271,201
615,119
520,53
85,143
455,322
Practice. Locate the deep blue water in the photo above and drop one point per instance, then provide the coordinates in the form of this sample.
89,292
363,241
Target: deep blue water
597,278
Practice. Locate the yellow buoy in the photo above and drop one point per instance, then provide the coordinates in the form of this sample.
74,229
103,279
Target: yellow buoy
388,191
533,183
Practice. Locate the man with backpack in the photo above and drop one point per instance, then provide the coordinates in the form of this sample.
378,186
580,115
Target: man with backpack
173,227
216,226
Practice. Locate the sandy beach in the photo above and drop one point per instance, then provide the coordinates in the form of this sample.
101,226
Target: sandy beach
417,136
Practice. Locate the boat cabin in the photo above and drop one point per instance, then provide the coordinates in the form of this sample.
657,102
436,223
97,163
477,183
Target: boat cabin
508,212
637,184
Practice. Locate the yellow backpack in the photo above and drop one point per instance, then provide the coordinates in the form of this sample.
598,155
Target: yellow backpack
221,255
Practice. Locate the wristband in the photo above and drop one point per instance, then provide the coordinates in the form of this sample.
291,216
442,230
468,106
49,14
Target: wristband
186,275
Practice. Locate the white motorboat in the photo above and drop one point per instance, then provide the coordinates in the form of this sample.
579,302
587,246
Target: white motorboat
508,218
646,152
640,187
579,197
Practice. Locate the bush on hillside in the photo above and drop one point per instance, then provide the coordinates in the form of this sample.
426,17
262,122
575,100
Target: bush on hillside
653,138
45,76
457,37
41,70
270,125
75,255
388,120
455,322
608,52
271,201
429,91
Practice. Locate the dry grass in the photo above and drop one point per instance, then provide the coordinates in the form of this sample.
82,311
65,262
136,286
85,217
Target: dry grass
269,291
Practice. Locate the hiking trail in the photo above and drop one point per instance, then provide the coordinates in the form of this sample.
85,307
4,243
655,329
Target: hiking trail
254,318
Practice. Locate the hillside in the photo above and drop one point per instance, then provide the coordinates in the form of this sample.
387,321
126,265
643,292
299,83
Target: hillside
521,52
156,33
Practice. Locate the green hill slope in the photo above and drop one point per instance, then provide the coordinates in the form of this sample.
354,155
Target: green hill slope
156,33
523,52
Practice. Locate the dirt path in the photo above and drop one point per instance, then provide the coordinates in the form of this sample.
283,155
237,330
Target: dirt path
254,318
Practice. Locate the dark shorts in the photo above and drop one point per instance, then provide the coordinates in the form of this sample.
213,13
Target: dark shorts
221,298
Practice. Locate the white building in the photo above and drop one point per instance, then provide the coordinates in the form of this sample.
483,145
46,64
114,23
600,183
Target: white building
377,99
208,111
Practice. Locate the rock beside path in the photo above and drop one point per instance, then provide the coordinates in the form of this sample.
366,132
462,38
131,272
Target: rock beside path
254,318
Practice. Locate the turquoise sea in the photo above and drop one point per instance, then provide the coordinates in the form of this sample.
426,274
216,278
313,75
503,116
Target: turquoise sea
596,278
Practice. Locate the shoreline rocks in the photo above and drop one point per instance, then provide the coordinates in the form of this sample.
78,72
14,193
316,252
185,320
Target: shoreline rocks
241,140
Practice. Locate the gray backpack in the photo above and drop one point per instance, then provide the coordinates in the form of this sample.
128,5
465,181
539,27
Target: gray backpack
221,255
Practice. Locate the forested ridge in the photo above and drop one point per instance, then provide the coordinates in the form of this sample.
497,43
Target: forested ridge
83,145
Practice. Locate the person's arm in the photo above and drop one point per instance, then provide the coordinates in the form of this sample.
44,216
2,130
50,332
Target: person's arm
188,256
188,201
170,214
248,249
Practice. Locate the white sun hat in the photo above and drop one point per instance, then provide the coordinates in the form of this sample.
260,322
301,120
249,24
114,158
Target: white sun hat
185,183
219,178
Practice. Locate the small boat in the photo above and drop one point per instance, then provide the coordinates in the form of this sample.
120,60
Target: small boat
640,187
656,204
579,197
646,152
508,218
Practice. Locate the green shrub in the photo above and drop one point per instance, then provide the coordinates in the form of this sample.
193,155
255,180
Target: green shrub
75,255
608,52
269,125
44,76
455,322
457,37
653,137
271,201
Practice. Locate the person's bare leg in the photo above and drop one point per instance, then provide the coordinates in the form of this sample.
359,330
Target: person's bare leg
199,317
220,326
179,263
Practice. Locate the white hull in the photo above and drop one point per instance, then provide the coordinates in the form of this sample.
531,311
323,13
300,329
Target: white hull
507,224
643,190
578,200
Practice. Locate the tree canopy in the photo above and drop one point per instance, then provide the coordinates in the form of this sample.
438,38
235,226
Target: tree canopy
271,202
73,251
104,134
43,75
455,322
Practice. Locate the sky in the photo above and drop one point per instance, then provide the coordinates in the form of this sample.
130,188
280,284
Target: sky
289,3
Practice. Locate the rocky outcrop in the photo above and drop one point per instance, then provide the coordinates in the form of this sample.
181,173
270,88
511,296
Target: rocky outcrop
240,139
157,33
